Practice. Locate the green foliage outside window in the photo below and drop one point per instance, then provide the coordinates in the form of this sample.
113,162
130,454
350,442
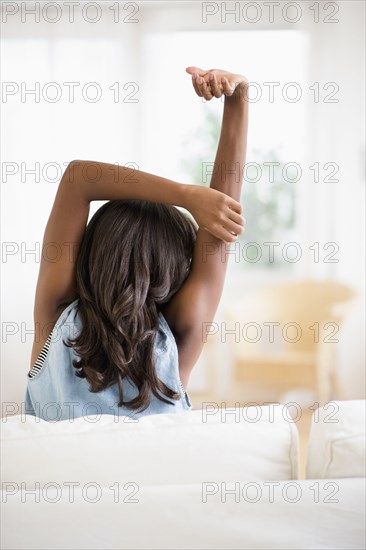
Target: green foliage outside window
268,196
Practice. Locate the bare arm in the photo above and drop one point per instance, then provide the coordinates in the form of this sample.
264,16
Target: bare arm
197,301
86,181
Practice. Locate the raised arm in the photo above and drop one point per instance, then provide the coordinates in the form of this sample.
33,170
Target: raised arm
197,301
86,181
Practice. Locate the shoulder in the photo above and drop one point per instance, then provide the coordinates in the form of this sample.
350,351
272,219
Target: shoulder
165,329
68,323
69,314
49,322
165,347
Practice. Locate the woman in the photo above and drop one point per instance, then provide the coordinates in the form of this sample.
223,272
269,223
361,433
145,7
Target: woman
119,315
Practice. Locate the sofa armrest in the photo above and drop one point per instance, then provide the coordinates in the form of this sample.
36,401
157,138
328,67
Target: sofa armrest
337,441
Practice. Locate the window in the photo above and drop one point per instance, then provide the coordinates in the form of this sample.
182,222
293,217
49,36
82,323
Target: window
180,131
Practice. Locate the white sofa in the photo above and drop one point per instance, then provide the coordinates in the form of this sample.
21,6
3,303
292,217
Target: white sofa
211,479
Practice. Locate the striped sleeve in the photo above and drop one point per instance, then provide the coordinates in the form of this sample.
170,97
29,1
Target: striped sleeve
41,358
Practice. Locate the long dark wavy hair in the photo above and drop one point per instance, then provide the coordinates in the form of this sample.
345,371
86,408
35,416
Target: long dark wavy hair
134,256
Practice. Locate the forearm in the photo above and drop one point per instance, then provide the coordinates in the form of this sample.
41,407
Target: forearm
103,181
229,162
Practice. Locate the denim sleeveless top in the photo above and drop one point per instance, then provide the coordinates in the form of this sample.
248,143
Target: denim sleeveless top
55,392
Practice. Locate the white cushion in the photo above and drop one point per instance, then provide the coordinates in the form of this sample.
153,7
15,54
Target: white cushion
272,515
228,445
337,441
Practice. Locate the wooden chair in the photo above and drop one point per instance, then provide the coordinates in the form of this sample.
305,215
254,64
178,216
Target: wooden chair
288,335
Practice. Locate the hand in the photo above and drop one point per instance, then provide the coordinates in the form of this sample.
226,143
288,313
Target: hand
216,212
216,82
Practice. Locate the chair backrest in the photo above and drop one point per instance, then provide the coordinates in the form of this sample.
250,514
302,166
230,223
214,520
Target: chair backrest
305,311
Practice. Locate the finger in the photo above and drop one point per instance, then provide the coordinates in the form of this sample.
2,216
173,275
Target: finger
237,218
235,205
195,85
235,228
216,90
221,232
227,88
204,88
217,231
197,70
228,236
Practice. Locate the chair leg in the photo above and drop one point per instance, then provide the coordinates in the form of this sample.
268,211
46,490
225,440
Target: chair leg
327,384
